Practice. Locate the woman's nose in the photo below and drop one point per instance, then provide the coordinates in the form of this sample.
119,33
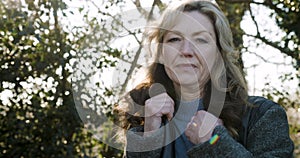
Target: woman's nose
186,48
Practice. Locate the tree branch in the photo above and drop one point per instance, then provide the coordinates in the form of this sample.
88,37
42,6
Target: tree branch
120,58
118,22
253,19
136,57
141,10
287,51
266,60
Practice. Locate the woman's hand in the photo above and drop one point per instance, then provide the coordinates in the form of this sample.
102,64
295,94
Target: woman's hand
201,127
155,108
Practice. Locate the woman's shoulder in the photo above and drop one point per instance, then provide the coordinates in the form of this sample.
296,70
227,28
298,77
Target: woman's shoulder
260,106
262,114
259,100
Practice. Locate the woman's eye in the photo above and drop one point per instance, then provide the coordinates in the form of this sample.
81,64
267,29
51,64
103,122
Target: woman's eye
201,40
175,39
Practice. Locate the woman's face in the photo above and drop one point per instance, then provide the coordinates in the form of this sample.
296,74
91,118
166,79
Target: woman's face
189,49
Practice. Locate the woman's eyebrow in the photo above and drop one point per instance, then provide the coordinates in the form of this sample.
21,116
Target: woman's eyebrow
193,34
201,32
175,32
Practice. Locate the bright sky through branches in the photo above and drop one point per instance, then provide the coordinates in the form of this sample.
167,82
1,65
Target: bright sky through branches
263,63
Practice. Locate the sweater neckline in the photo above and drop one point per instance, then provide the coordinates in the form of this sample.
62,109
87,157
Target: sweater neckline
186,109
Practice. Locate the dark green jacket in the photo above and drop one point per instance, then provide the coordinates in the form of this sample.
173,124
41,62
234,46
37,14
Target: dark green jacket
265,134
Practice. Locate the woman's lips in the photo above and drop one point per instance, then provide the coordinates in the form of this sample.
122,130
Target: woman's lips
186,66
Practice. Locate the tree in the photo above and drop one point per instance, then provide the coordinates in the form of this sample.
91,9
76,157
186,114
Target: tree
48,68
286,15
39,117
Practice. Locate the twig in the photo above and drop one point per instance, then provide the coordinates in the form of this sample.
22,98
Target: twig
253,19
287,51
267,60
136,57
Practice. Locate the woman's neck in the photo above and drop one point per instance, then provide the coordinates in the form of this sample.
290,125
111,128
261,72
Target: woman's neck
189,92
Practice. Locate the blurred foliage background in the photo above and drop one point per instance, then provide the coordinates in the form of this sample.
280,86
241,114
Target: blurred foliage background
56,59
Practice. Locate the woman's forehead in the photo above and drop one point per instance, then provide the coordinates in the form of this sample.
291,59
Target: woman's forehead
192,23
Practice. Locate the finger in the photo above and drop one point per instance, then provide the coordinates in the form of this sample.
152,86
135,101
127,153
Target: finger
194,124
160,105
206,117
168,110
195,121
209,122
170,116
187,134
190,132
191,125
163,99
220,122
159,100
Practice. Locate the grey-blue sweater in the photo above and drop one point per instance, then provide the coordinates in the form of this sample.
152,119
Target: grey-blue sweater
265,134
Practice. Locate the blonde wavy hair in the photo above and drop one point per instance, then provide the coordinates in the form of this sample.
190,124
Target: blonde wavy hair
158,29
226,77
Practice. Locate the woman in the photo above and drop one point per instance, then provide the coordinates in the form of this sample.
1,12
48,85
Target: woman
195,102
